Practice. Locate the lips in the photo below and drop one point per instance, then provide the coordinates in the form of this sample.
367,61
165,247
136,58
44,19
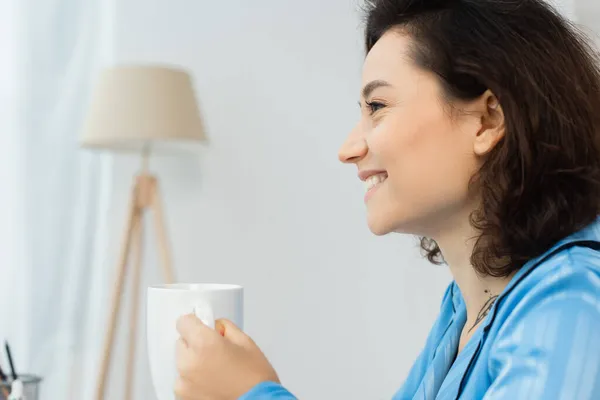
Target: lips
365,174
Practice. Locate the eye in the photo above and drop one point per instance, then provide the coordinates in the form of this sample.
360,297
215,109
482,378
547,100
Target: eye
374,106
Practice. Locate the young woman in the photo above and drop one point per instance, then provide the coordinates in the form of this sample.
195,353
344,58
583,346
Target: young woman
480,133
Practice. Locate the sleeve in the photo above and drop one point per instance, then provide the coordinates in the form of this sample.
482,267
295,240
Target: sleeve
552,350
268,391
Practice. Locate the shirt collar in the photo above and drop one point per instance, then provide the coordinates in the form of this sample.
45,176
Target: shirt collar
590,232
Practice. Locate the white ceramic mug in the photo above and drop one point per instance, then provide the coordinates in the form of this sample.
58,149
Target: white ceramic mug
165,304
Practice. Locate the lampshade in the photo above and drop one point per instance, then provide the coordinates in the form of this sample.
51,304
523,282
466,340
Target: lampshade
134,107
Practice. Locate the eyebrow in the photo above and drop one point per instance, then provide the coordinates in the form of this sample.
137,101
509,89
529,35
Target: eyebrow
371,86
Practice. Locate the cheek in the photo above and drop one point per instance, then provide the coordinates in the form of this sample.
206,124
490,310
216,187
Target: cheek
429,164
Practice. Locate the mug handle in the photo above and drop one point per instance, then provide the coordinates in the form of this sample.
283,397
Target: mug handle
205,313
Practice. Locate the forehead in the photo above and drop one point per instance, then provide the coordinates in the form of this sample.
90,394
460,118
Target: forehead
389,59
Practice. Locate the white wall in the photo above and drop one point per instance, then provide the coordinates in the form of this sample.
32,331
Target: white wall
340,313
587,13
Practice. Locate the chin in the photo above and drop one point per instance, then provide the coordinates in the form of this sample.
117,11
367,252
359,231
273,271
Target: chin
379,226
383,224
378,231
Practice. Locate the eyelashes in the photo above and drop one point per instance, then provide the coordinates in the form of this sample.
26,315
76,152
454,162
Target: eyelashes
374,106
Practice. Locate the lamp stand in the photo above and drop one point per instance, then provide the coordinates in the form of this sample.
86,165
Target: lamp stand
145,195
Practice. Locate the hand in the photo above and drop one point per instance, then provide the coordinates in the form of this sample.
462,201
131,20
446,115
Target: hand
219,364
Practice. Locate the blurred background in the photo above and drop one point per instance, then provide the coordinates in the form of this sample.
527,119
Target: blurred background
264,203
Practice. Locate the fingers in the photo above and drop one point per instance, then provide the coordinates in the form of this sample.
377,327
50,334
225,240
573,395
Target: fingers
185,390
185,360
181,389
194,332
231,332
190,373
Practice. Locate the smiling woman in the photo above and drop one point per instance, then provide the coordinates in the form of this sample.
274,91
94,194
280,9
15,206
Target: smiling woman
480,133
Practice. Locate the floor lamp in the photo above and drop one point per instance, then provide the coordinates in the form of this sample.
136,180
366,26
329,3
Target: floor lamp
139,109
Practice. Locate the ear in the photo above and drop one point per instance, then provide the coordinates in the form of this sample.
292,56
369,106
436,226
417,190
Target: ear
492,126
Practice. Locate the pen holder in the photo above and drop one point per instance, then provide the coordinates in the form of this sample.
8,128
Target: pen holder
31,387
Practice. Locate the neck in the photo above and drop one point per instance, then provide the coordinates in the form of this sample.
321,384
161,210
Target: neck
457,246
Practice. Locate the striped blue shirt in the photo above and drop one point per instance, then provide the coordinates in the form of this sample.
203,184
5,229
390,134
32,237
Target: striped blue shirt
541,339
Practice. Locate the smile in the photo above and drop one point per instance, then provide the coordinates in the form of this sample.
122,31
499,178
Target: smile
373,182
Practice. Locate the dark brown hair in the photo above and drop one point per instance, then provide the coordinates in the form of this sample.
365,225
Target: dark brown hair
542,181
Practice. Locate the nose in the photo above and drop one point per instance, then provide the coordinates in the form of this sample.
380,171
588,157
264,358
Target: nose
353,149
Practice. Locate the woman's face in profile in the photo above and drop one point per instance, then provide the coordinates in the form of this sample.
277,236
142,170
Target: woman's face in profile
419,148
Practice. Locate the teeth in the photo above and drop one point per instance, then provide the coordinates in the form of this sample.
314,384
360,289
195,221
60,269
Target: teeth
374,180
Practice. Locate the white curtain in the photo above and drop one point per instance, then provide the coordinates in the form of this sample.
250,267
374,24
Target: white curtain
54,197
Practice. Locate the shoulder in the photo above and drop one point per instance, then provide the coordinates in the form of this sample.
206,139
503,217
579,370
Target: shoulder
541,336
563,289
574,272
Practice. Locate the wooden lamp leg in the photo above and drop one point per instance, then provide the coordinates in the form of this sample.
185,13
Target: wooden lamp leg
161,233
145,194
133,220
133,317
144,190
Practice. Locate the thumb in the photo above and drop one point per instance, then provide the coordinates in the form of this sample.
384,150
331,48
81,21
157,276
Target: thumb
230,331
